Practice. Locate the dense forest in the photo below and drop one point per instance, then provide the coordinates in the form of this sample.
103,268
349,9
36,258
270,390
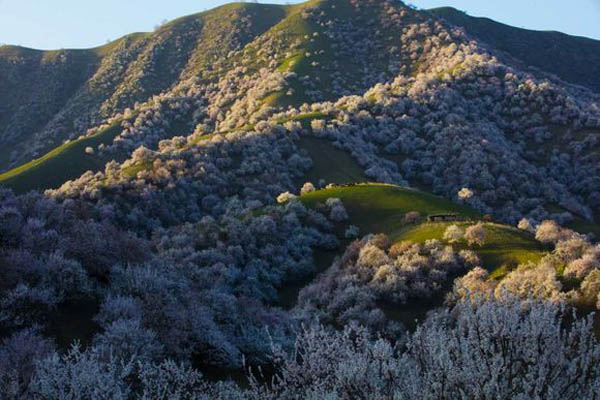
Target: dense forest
337,199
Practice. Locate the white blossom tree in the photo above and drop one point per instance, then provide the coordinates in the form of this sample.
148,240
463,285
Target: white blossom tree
476,234
307,188
453,234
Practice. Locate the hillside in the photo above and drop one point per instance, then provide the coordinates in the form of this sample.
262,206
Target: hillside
383,209
546,129
571,58
51,96
341,198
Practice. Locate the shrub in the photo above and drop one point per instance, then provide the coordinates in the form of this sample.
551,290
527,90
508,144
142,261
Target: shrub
548,232
453,234
475,234
525,225
285,197
307,188
412,217
465,193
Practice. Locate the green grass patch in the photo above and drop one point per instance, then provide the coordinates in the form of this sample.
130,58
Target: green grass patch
65,162
202,138
134,169
452,70
274,98
380,208
291,62
305,119
504,249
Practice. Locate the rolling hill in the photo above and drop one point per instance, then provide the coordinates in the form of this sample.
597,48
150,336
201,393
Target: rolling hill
376,208
314,51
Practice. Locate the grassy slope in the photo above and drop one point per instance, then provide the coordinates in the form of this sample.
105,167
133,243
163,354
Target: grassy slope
36,77
34,86
68,161
295,28
374,208
329,163
573,59
379,208
65,162
291,29
504,249
211,56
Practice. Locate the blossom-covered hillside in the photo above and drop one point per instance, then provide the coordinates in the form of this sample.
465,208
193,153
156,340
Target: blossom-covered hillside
416,101
52,96
341,199
570,58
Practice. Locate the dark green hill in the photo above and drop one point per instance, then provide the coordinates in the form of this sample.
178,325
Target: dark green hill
572,58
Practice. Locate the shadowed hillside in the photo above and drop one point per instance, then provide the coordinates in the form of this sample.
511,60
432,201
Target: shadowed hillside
50,96
573,59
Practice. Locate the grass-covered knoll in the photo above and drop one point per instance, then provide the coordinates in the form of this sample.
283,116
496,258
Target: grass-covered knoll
505,247
380,208
67,161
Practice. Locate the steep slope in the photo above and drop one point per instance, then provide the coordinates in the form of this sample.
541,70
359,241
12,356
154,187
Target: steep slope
52,96
34,86
38,86
573,59
313,51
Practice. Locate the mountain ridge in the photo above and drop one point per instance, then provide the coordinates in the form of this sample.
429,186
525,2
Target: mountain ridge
80,117
124,71
573,58
300,62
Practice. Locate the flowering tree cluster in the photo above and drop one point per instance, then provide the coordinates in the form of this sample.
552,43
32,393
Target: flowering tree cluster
570,273
480,349
202,292
371,272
